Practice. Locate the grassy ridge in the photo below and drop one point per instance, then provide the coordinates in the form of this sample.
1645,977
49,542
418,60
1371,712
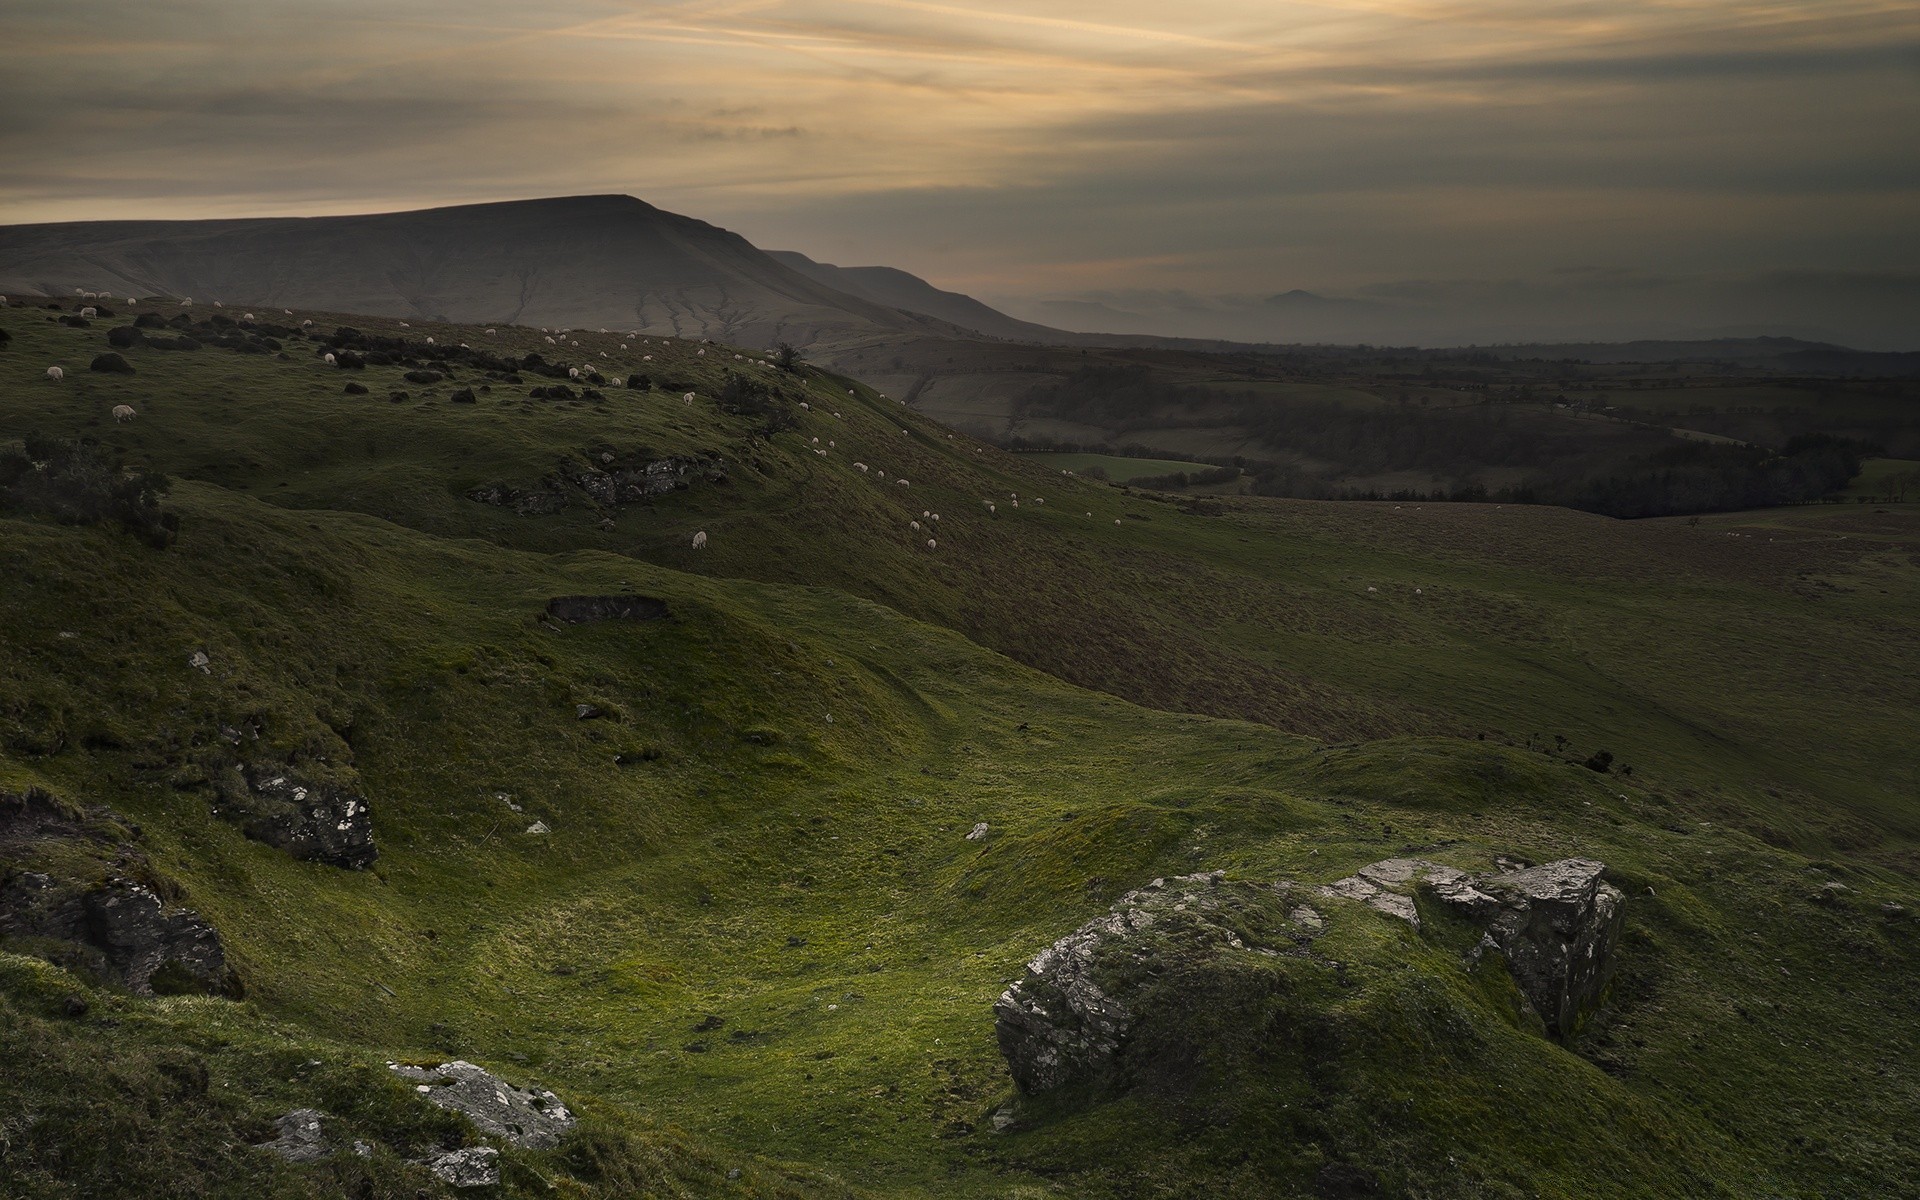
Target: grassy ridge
807,882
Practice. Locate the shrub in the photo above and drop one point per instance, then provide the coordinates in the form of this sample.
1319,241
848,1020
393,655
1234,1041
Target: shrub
355,389
463,396
111,364
423,377
124,336
150,321
71,483
639,383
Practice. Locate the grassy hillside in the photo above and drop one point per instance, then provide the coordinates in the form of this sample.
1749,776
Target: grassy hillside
755,936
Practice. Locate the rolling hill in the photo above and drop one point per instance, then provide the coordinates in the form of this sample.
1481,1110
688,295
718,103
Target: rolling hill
741,882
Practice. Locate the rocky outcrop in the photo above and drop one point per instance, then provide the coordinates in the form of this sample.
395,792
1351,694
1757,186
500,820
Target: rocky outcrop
312,821
579,610
527,1117
473,1166
1072,1016
1556,925
301,1140
90,913
605,480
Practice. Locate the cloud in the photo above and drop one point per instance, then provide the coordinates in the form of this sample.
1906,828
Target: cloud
1216,146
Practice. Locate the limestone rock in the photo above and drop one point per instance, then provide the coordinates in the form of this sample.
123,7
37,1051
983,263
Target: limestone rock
473,1166
1070,1017
313,821
1556,924
301,1138
529,1117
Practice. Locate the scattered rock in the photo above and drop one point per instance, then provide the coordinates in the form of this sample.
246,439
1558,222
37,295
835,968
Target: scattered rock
527,1117
111,363
978,832
539,827
588,712
301,1139
199,661
579,610
313,821
471,1167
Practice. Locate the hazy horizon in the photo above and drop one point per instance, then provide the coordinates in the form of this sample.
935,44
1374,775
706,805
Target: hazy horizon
1618,165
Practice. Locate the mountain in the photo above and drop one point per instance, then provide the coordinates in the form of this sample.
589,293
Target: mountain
575,261
899,289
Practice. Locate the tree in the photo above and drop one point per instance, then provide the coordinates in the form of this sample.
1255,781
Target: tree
787,358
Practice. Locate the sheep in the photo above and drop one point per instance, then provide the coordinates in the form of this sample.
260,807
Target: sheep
933,516
699,353
904,483
187,303
925,514
218,304
307,324
247,317
1370,588
646,358
803,403
330,360
123,413
835,445
549,341
573,372
991,508
861,467
404,325
1419,591
903,433
489,333
688,397
89,312
932,545
287,311
1015,503
913,524
429,341
700,540
56,374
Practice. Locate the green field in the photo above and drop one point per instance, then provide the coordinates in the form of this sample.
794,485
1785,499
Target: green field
1885,478
1117,468
756,937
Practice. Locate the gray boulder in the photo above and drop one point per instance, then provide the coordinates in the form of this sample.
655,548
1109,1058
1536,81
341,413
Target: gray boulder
473,1166
528,1117
1556,925
1123,977
313,821
301,1138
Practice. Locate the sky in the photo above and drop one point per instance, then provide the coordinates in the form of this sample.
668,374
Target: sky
1206,152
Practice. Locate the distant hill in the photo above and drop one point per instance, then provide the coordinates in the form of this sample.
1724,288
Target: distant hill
576,261
899,289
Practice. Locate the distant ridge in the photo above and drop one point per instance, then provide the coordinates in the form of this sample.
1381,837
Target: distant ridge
899,289
590,261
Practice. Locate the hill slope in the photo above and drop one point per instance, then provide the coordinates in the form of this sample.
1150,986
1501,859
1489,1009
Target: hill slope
754,935
574,261
899,289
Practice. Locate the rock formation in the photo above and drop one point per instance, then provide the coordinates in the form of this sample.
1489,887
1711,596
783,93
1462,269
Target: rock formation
528,1117
311,820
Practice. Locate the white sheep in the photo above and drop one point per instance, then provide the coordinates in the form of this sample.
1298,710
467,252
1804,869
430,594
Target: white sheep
688,397
489,333
933,516
287,311
646,358
187,303
932,545
330,360
549,341
218,304
1116,521
903,483
913,524
814,442
700,540
861,467
307,324
404,325
803,403
247,317
89,312
429,341
925,513
991,508
699,353
1370,588
573,372
56,374
123,413
1015,503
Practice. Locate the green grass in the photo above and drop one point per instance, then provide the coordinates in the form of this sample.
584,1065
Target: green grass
1174,692
1883,478
1118,469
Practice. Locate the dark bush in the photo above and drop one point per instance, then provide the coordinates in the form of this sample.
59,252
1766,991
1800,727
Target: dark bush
397,397
124,336
639,383
5,337
423,377
150,321
111,364
76,322
591,394
463,396
355,389
71,483
173,343
347,360
1602,761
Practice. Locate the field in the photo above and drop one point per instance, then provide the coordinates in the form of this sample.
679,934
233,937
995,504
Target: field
756,938
1118,469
